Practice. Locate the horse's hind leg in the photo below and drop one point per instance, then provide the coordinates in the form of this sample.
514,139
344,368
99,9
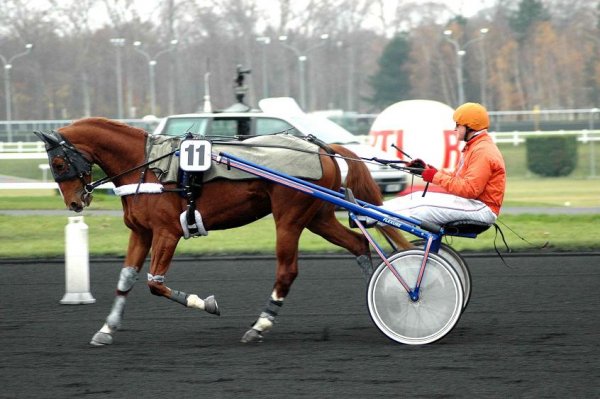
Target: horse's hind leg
327,226
289,227
139,245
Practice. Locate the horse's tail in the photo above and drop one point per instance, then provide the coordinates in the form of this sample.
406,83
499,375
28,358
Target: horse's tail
365,188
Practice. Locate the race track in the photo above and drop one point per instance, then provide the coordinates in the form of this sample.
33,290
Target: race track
530,331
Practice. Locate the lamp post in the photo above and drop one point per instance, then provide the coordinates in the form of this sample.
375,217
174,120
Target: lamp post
265,81
119,42
483,73
151,68
302,57
7,89
460,53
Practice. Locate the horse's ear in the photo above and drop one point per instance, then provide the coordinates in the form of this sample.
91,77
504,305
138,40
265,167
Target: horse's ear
50,139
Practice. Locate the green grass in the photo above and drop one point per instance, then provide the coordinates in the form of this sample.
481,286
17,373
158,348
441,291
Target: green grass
37,236
25,168
42,236
515,158
51,200
552,192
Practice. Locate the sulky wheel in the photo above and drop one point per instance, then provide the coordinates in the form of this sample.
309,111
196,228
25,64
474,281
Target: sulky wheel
415,322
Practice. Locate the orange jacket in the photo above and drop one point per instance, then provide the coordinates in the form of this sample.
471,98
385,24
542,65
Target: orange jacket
480,174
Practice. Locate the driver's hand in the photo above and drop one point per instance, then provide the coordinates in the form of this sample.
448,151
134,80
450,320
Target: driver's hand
417,163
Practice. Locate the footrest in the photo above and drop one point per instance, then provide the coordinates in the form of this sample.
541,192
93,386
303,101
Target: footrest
465,227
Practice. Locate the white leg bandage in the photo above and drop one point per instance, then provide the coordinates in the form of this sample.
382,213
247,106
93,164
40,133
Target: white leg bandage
106,329
157,278
267,317
115,316
127,279
194,301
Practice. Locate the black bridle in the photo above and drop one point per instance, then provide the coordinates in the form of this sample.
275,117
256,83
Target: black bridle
76,164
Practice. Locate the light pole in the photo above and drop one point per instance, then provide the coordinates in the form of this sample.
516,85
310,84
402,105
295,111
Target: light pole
151,68
483,72
119,42
265,81
302,57
7,88
460,53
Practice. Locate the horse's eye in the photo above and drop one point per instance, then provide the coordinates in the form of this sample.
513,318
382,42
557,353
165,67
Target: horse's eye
59,165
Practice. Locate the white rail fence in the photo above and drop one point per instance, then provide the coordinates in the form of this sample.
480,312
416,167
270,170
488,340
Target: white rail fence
36,150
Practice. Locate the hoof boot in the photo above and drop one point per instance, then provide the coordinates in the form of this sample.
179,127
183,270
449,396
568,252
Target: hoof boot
101,339
211,306
252,335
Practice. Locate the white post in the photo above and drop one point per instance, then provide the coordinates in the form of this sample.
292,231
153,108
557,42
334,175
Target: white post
77,270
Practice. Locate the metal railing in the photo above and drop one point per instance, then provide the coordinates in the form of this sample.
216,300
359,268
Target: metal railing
584,136
36,150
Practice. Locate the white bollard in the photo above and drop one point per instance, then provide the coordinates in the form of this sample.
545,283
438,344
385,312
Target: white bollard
77,268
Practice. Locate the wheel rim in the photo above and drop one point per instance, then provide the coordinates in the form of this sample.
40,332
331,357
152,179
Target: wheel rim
426,320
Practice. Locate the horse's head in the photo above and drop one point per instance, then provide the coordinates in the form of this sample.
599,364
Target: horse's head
71,170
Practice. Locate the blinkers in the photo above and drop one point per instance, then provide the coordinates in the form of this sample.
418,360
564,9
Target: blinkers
58,147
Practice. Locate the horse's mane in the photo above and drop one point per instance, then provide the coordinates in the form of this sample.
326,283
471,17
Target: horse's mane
103,122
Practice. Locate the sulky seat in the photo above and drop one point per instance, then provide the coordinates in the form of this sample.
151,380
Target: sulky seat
469,227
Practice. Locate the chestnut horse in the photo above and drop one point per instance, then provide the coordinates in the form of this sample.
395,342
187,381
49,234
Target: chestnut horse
154,218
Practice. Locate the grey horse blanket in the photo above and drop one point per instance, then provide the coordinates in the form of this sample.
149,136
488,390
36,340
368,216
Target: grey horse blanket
285,153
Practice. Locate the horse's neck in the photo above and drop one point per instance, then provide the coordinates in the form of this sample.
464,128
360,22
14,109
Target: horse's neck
116,149
121,153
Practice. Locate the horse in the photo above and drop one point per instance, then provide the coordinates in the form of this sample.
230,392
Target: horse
154,218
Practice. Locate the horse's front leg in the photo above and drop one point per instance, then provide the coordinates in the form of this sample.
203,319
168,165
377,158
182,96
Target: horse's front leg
287,270
163,248
139,245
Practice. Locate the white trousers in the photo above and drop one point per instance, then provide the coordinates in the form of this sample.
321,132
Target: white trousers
440,208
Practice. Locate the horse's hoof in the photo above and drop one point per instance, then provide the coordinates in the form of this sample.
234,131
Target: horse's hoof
211,306
101,339
252,335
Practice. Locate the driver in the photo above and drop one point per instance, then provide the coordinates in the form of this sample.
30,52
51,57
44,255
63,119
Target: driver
474,190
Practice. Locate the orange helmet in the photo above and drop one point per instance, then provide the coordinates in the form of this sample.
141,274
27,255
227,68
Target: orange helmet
472,115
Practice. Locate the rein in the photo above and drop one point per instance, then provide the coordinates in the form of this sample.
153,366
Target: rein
330,153
91,186
77,159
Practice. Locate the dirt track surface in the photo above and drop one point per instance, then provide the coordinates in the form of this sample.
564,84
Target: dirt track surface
529,331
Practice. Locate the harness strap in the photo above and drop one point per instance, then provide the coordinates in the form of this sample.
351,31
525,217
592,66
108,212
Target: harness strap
508,250
313,139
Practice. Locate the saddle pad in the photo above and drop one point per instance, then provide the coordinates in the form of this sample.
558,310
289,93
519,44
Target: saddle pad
291,160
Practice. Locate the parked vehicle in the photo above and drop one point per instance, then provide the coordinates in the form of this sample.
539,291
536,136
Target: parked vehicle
281,115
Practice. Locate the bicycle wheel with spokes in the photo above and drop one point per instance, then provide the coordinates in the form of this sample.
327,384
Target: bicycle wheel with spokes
459,264
425,320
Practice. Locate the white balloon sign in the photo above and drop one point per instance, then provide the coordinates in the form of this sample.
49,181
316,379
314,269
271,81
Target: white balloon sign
422,129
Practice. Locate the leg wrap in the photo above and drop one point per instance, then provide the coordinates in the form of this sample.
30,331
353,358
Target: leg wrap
116,314
208,304
272,308
158,278
179,297
127,279
267,316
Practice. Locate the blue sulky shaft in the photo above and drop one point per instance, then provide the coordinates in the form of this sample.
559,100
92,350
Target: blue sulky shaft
412,226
